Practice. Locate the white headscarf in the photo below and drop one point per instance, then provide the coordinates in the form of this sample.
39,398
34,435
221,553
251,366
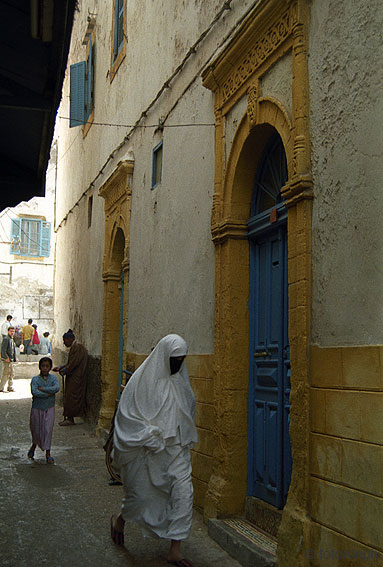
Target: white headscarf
156,406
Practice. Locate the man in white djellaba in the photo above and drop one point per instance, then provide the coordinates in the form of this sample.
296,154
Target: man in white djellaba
154,431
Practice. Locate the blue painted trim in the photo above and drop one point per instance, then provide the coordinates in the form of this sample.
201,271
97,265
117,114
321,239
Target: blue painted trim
89,90
42,240
268,407
15,235
77,94
118,40
121,335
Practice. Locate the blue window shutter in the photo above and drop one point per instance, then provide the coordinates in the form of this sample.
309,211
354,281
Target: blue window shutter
77,94
15,235
118,27
89,82
45,237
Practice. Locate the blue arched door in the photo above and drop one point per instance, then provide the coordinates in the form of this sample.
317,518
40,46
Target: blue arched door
269,380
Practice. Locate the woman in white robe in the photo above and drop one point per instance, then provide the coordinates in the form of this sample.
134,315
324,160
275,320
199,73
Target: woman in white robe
154,431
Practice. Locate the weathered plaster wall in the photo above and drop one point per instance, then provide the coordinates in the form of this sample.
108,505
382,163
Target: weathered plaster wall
78,284
232,120
277,82
345,55
172,257
169,288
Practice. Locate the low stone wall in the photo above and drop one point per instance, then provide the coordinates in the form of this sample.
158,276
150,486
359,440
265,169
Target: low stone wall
26,369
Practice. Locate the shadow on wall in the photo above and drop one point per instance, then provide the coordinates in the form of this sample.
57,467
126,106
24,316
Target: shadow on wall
93,391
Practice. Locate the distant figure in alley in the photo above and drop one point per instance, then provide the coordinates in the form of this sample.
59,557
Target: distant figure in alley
45,344
27,333
154,431
8,357
35,341
74,391
5,326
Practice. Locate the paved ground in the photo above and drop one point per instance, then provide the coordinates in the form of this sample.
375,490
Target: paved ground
59,515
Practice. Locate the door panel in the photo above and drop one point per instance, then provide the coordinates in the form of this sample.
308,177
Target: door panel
269,444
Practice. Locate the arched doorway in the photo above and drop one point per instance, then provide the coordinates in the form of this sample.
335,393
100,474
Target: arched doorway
269,470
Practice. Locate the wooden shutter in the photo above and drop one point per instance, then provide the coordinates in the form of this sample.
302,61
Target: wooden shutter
45,233
77,94
15,236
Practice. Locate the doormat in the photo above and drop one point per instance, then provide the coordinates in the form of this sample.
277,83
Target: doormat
250,532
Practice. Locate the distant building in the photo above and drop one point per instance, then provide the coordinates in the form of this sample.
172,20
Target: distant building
26,260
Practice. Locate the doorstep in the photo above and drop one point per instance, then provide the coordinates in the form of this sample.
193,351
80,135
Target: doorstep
243,541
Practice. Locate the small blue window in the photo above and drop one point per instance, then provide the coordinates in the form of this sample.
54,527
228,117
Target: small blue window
157,165
30,237
118,25
82,89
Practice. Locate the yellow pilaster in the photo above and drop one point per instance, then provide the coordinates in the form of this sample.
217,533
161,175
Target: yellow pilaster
117,194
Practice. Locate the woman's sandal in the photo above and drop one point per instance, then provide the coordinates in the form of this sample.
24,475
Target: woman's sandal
31,454
50,460
116,535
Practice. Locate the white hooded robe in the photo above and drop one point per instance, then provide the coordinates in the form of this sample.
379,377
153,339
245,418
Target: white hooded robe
154,431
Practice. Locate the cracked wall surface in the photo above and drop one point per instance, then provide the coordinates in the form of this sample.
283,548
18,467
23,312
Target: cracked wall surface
345,54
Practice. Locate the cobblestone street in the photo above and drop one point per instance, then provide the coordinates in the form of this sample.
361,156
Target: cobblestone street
59,515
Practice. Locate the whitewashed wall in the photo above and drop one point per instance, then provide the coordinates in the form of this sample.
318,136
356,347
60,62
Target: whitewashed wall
346,105
171,285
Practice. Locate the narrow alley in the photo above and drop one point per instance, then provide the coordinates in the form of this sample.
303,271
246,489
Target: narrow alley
59,515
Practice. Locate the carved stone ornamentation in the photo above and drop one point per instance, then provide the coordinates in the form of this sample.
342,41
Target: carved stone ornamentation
274,36
117,186
252,103
216,209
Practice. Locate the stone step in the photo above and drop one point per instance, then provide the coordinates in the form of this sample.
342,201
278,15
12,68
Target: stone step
243,541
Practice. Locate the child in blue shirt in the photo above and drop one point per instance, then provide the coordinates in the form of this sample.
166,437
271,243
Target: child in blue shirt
44,387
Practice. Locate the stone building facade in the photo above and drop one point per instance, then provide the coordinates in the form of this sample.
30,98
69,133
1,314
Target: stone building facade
219,178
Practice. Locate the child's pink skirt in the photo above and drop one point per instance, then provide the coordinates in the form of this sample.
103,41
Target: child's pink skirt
41,424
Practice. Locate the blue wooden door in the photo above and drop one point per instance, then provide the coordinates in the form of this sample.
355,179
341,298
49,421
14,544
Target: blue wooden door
121,334
269,379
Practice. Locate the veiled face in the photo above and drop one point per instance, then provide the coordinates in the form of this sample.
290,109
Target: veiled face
176,363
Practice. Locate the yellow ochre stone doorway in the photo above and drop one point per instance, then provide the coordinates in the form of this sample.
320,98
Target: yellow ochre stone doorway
272,30
117,194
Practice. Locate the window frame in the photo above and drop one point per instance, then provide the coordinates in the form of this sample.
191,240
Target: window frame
89,90
156,149
82,89
117,53
44,237
90,210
